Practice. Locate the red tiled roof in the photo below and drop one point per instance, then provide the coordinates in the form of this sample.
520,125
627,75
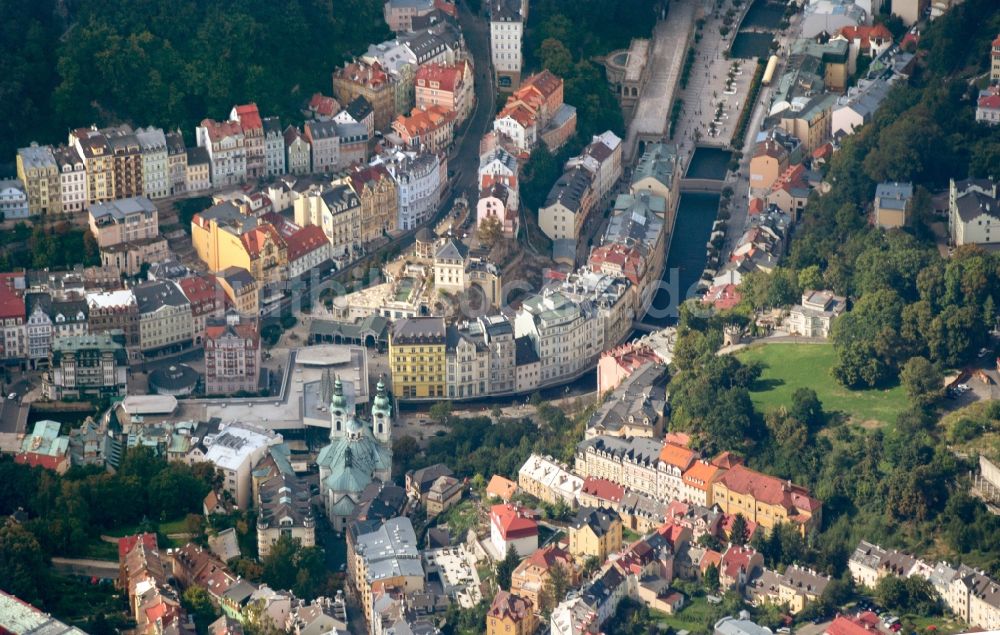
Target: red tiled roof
866,34
677,455
710,557
672,532
724,296
511,522
792,177
844,625
603,489
546,557
218,130
249,117
126,544
421,121
736,559
35,459
363,175
544,82
489,180
768,489
519,113
304,241
323,105
246,330
727,460
727,524
501,487
370,75
508,606
11,306
990,101
447,76
255,239
824,151
198,289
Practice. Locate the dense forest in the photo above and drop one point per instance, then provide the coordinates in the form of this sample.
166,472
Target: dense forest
167,62
914,315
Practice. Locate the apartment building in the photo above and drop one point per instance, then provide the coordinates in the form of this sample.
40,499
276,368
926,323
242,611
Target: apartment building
155,162
973,212
594,532
122,221
232,356
565,335
126,162
399,14
234,451
432,128
506,33
766,500
283,503
298,153
420,178
417,358
450,86
93,148
274,147
548,480
72,179
379,197
207,302
87,366
165,321
249,120
13,200
176,162
227,150
198,171
115,311
567,205
337,210
38,171
370,81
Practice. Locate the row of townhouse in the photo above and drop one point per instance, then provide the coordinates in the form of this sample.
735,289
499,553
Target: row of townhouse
554,336
968,593
668,470
427,68
100,165
40,317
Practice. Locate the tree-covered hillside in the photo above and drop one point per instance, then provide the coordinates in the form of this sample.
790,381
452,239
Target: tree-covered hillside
167,62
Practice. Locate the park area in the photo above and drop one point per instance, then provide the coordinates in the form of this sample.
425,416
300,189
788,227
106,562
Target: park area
788,367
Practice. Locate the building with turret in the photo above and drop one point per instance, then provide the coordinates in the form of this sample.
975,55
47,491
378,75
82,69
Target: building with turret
358,454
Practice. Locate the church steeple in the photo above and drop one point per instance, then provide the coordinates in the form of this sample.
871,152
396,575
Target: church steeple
338,410
382,414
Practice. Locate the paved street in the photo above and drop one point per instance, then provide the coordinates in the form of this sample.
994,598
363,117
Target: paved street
465,163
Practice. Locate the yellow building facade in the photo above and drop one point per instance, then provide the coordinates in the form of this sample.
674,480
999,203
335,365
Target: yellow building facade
595,532
220,243
417,358
766,500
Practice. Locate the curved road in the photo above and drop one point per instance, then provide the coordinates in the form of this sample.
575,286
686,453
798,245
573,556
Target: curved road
463,161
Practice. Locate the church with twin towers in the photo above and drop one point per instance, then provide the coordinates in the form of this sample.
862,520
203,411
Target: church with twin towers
359,453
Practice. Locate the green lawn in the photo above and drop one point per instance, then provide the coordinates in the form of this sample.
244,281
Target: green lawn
791,366
693,617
